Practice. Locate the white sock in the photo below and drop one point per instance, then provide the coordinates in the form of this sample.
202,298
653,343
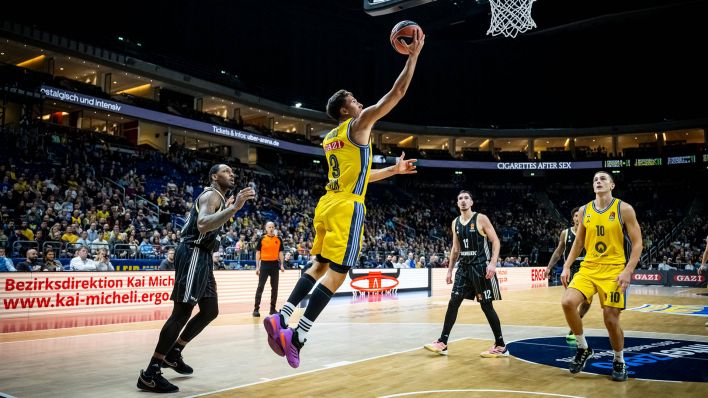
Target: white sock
303,328
619,356
580,341
287,311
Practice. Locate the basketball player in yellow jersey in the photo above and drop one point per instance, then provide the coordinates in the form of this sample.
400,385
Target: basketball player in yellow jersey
339,216
609,226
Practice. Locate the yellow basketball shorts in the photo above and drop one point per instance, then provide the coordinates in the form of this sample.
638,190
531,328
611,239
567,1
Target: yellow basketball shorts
600,278
339,228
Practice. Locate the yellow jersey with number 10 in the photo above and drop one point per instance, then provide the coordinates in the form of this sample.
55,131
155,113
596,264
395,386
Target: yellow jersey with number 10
349,163
605,238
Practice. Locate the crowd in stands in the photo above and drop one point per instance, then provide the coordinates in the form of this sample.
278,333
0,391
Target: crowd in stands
94,198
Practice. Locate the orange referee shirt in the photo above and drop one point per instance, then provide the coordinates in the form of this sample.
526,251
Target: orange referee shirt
270,247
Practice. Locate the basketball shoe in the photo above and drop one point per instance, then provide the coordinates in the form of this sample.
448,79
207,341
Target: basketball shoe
437,347
274,324
581,358
155,383
619,371
174,361
291,345
495,352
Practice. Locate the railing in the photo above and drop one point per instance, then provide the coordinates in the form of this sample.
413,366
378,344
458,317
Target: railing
122,189
20,247
152,208
652,253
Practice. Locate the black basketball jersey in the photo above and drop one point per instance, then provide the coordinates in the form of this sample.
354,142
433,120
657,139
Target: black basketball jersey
190,233
569,239
474,247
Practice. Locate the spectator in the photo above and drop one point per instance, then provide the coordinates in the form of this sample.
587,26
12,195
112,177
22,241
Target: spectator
410,261
217,262
288,260
81,262
168,264
388,263
103,261
146,249
421,262
6,264
50,262
31,263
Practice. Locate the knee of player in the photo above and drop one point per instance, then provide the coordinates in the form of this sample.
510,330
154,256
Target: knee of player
456,299
569,302
611,316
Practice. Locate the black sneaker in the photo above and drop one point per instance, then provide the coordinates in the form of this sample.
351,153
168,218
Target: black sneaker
176,363
256,314
619,371
155,383
272,311
581,358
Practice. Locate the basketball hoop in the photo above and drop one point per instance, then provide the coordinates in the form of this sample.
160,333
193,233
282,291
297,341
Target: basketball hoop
510,17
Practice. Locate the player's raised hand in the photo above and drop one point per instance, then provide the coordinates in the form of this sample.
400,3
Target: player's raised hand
416,45
405,166
242,196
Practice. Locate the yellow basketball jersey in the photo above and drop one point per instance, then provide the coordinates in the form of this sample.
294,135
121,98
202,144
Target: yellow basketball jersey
605,239
349,163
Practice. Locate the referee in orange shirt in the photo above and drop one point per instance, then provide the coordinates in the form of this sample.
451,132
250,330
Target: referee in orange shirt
269,257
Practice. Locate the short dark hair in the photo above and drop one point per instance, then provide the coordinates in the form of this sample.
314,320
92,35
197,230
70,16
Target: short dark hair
465,191
213,170
575,210
604,172
335,103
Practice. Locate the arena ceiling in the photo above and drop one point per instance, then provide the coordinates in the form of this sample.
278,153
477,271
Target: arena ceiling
589,63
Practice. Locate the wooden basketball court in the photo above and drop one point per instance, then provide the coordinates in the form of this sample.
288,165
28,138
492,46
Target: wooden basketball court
359,347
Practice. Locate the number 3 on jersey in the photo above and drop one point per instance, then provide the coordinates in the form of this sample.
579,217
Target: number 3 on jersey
334,166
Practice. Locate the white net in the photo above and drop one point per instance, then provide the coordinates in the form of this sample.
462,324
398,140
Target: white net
510,17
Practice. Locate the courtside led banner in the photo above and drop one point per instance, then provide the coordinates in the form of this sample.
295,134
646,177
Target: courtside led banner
512,278
24,294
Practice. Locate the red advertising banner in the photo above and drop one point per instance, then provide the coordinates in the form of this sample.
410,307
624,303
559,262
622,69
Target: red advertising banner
509,279
33,294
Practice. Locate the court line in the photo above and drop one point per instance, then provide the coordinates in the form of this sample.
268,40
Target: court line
480,390
321,369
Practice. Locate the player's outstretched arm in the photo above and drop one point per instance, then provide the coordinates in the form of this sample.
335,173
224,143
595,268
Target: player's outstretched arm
372,114
209,219
402,166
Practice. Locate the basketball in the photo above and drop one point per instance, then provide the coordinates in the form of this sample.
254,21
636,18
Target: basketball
403,33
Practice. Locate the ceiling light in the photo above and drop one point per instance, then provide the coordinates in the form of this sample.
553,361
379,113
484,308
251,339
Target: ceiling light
62,68
298,105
